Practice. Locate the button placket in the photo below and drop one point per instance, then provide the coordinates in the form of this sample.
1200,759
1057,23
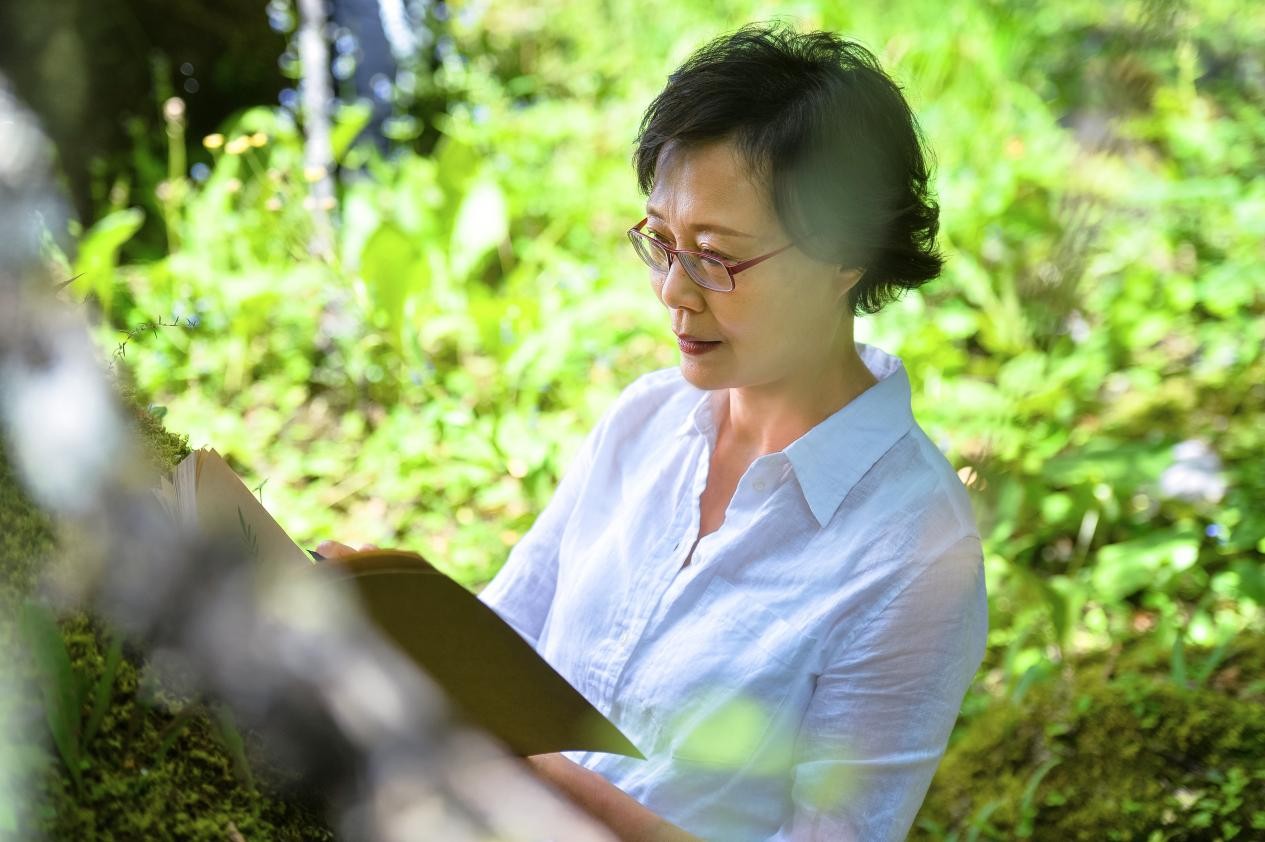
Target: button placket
636,614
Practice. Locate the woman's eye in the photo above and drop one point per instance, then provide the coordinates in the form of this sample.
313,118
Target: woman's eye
707,250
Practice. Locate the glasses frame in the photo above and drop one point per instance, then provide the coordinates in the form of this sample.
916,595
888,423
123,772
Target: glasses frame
733,267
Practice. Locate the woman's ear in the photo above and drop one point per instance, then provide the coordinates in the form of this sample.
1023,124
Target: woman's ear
847,279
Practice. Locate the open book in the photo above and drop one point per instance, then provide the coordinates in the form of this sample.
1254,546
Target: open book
490,674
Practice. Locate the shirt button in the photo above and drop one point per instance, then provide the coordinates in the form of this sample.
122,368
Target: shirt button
759,486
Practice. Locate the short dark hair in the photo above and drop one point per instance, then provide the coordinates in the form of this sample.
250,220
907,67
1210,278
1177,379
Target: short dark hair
828,132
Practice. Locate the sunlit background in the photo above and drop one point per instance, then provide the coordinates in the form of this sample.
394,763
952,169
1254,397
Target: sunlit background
403,342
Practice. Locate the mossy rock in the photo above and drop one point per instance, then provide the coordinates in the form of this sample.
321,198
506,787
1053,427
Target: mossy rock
158,767
1112,749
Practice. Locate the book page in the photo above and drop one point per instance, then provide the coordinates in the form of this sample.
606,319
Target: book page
224,506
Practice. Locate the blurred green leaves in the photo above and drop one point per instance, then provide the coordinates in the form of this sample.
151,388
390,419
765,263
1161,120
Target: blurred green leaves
98,251
1127,567
394,271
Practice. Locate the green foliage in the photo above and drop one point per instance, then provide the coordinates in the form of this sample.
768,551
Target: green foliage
98,250
418,385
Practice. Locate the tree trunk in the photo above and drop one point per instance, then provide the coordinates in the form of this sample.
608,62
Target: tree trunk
317,95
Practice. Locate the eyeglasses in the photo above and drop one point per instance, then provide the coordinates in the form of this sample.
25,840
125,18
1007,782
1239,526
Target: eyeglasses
706,270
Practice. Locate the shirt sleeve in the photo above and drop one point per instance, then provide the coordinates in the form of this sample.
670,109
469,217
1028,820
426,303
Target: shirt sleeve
522,591
879,719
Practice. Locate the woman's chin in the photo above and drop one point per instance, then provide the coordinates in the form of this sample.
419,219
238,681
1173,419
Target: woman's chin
700,372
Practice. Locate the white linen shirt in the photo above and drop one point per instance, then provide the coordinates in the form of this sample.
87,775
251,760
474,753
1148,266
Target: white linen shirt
800,677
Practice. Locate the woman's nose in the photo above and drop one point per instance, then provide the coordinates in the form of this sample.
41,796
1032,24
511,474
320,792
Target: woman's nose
678,288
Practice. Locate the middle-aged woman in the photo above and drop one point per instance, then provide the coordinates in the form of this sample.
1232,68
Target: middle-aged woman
758,565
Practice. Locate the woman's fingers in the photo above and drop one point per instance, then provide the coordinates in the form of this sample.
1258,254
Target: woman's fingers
333,549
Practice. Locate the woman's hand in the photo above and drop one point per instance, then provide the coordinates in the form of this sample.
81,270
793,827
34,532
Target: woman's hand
607,803
333,549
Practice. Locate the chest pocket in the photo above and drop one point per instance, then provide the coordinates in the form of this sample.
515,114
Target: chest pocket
722,678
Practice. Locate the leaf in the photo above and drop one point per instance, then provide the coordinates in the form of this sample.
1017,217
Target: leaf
1214,658
979,822
518,442
719,731
349,122
1177,660
1251,577
98,251
1003,327
487,309
393,271
481,224
1026,808
1129,566
172,731
231,738
457,164
1125,466
59,684
102,691
1066,598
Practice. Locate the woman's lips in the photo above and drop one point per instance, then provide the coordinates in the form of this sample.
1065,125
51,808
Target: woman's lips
695,348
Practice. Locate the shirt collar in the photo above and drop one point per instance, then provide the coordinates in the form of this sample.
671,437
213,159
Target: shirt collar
830,458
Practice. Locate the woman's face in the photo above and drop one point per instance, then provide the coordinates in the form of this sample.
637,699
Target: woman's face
782,323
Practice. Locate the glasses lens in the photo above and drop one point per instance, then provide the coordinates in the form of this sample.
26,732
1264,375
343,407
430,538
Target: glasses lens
650,252
707,272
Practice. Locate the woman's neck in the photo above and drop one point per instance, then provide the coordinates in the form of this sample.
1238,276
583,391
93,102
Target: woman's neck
765,419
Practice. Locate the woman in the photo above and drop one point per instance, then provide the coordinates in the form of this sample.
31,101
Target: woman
758,565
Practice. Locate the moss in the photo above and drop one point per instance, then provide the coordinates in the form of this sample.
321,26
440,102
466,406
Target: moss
1104,753
164,448
128,791
26,539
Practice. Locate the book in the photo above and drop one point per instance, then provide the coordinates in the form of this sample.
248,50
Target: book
493,678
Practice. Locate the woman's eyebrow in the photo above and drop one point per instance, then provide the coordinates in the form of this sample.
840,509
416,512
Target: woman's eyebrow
709,227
